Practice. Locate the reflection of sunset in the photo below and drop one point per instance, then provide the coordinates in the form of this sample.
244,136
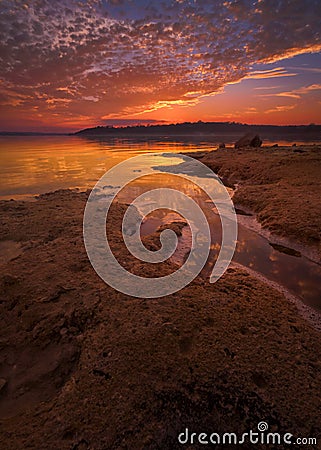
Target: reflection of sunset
33,165
122,62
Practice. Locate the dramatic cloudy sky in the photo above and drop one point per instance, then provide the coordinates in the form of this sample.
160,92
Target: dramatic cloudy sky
66,64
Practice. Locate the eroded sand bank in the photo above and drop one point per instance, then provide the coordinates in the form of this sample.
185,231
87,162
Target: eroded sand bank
85,367
281,185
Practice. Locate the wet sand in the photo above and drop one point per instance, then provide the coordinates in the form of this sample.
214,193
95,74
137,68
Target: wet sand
85,367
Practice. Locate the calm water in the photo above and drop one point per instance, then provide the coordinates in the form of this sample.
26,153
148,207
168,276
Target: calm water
33,165
38,164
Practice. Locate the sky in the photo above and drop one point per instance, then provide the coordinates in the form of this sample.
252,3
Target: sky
68,65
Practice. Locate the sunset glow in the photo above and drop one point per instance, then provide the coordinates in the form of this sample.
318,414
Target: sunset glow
68,65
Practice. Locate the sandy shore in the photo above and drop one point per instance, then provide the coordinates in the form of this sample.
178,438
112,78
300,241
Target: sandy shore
85,367
281,185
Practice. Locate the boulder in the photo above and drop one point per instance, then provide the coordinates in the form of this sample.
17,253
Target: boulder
249,140
222,145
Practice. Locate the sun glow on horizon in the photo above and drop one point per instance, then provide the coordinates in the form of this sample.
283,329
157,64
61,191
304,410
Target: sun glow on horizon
120,62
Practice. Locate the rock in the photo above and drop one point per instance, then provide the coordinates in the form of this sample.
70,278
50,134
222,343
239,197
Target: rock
242,213
249,140
275,145
133,222
221,145
3,383
176,226
286,250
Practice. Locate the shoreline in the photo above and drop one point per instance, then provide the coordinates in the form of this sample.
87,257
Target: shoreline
309,314
73,348
251,176
251,223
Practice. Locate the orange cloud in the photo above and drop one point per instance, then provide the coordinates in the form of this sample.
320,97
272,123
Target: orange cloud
103,59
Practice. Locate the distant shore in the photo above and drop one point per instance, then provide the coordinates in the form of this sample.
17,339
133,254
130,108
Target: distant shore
200,128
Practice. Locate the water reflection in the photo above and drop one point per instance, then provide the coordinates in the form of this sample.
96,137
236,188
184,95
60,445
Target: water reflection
33,165
299,275
38,164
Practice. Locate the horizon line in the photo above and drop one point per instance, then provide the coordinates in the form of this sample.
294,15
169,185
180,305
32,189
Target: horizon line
153,125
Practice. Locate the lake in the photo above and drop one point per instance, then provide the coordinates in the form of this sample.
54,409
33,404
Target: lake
35,165
38,164
32,165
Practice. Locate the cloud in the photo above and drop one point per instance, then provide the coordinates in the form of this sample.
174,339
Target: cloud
290,53
265,88
307,89
296,93
90,98
307,69
281,108
131,122
271,73
119,57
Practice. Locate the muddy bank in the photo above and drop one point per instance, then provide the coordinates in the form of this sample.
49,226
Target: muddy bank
85,367
281,185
